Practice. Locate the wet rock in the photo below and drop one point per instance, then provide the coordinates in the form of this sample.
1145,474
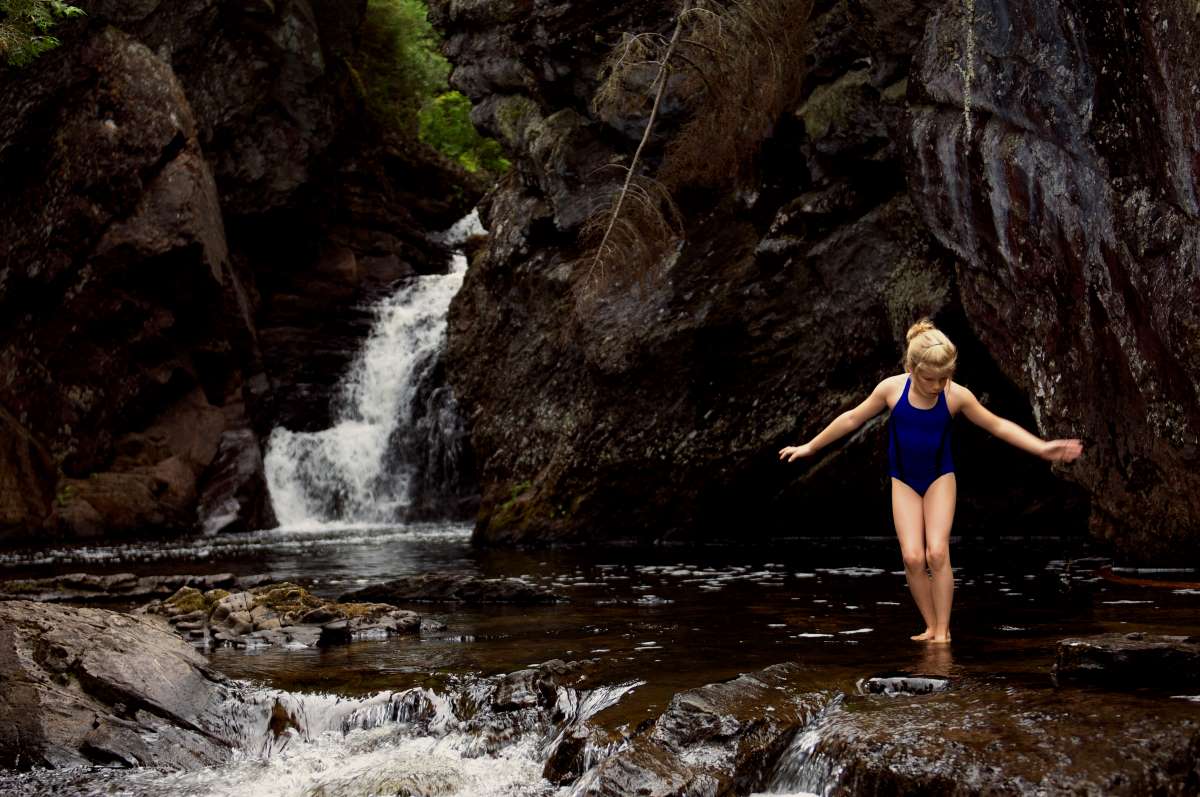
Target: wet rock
904,685
1070,208
278,614
234,495
89,686
1002,739
524,689
26,478
579,747
719,739
92,588
116,356
1130,661
454,588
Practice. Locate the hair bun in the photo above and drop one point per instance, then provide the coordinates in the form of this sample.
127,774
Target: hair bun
924,325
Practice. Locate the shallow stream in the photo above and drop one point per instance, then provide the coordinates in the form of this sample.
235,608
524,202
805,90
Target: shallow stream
654,621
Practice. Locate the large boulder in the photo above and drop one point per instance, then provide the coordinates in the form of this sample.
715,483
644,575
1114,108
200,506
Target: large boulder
1071,204
87,686
117,280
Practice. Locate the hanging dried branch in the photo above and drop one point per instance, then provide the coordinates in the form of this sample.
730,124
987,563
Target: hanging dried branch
617,245
738,66
633,230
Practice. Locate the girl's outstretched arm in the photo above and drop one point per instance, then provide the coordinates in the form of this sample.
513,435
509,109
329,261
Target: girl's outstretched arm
1009,432
842,425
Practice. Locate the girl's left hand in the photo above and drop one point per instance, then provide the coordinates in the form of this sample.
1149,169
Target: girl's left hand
1061,450
793,453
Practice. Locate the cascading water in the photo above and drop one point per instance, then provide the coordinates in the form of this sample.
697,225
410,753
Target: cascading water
350,473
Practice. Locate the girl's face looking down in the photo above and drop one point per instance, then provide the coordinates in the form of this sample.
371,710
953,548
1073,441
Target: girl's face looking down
930,382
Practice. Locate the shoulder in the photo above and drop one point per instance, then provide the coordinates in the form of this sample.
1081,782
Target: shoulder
958,396
891,388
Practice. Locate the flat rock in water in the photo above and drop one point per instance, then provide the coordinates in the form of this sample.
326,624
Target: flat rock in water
454,588
1131,660
91,686
113,587
721,738
1000,739
277,614
904,684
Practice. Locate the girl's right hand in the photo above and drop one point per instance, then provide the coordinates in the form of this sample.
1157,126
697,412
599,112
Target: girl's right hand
1061,450
793,453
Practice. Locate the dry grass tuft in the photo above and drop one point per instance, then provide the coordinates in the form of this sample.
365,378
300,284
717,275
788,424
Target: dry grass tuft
741,65
737,65
629,236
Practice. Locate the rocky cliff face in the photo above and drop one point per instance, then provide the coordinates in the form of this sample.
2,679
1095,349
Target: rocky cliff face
194,211
657,414
1071,205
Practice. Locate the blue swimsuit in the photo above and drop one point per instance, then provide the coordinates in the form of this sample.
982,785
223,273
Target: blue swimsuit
919,442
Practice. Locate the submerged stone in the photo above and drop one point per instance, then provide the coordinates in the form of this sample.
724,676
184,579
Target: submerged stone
1130,661
904,684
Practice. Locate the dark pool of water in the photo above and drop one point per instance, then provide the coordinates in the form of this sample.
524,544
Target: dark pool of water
674,617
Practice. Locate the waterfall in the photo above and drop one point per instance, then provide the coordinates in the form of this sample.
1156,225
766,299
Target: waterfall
353,472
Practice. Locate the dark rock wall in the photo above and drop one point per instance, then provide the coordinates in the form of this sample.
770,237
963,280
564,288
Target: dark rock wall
195,211
1073,214
658,414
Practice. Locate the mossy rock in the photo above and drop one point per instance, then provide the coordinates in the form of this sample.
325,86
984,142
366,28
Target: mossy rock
352,610
831,107
286,597
188,599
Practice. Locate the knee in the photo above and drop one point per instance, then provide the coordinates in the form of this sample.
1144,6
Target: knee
914,561
938,557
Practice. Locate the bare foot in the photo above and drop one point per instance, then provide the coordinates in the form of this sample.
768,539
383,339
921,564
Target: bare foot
940,640
923,636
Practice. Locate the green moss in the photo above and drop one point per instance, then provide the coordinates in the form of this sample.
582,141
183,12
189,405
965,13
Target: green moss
514,113
829,106
65,495
351,610
187,600
896,92
445,124
285,597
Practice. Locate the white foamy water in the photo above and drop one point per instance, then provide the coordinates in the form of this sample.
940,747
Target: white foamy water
345,473
409,742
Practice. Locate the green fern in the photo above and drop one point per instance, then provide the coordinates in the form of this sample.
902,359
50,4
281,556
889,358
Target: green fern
25,28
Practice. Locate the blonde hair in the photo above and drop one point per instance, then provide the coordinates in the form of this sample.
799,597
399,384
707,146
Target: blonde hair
928,346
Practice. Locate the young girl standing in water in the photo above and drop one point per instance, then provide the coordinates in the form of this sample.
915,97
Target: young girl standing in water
923,401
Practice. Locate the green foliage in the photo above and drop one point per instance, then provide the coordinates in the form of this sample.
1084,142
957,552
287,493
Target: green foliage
399,61
445,123
405,82
25,28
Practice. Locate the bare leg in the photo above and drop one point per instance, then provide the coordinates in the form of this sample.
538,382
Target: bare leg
908,515
939,518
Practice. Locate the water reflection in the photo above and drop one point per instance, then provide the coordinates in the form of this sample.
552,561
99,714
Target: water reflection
936,660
